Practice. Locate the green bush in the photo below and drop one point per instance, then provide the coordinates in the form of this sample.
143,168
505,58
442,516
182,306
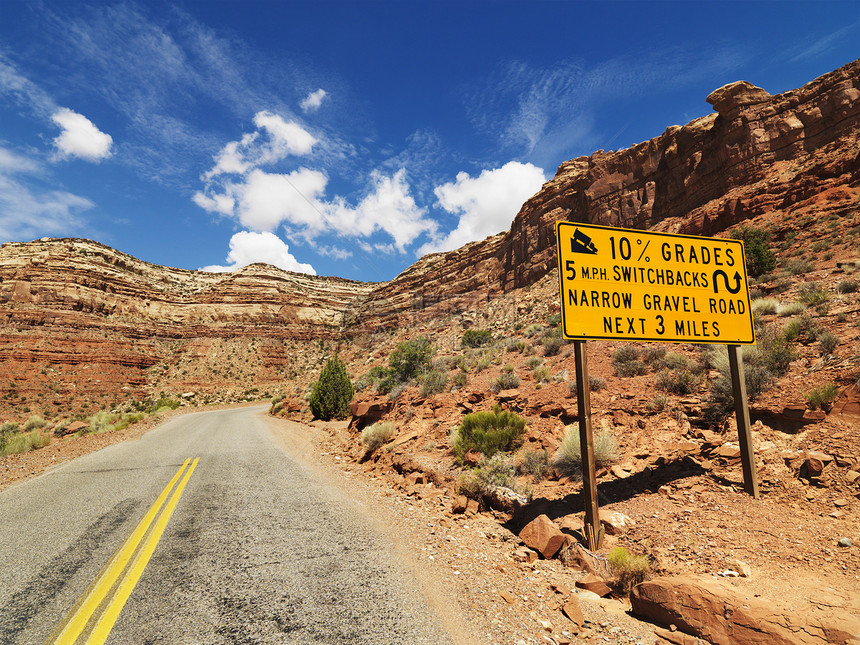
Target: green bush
534,463
534,362
651,354
34,423
761,306
410,359
658,403
460,379
629,570
23,442
488,432
476,337
799,267
380,433
541,374
164,403
505,381
332,393
759,258
595,383
849,285
828,341
812,295
677,381
493,471
567,460
552,346
532,330
433,382
822,397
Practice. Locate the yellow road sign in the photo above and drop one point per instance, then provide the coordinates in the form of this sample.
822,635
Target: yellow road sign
638,285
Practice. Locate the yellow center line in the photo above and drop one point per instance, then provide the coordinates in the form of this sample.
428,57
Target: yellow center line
106,623
97,593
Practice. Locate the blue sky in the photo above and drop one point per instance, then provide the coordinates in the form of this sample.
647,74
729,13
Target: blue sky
350,138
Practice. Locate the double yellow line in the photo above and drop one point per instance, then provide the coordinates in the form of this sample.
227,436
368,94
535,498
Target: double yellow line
95,614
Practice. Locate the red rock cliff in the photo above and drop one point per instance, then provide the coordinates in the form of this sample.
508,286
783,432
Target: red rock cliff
755,153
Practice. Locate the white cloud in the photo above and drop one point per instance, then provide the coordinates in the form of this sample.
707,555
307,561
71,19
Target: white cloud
264,200
388,207
274,140
79,137
486,204
287,137
27,213
247,248
312,102
334,252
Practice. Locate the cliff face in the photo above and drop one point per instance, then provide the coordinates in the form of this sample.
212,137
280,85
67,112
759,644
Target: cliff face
756,153
78,316
80,319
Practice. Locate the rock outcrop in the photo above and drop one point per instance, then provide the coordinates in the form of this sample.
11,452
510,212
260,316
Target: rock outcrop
756,153
723,615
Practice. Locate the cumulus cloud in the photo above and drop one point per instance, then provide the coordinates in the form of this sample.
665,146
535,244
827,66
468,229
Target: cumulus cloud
388,207
259,199
79,137
27,212
486,204
274,140
247,248
312,102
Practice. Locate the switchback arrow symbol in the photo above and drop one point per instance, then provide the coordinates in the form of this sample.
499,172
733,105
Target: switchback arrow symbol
726,281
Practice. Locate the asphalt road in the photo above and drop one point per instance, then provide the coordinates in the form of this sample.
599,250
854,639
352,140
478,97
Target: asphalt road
257,550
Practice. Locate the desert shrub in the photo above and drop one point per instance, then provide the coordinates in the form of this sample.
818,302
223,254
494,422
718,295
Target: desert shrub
849,285
476,337
761,306
534,362
552,346
493,472
380,433
812,295
488,432
278,398
505,381
629,570
433,382
822,397
799,267
23,442
759,258
595,383
534,463
532,330
553,319
460,379
775,350
658,403
374,378
630,368
827,342
410,358
625,361
572,389
677,381
651,354
34,423
677,361
332,392
790,308
541,374
396,391
757,378
164,403
567,460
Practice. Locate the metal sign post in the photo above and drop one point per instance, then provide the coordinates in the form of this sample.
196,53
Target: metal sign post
586,444
742,413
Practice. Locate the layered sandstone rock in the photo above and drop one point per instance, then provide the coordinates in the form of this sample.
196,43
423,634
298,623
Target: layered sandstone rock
755,153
